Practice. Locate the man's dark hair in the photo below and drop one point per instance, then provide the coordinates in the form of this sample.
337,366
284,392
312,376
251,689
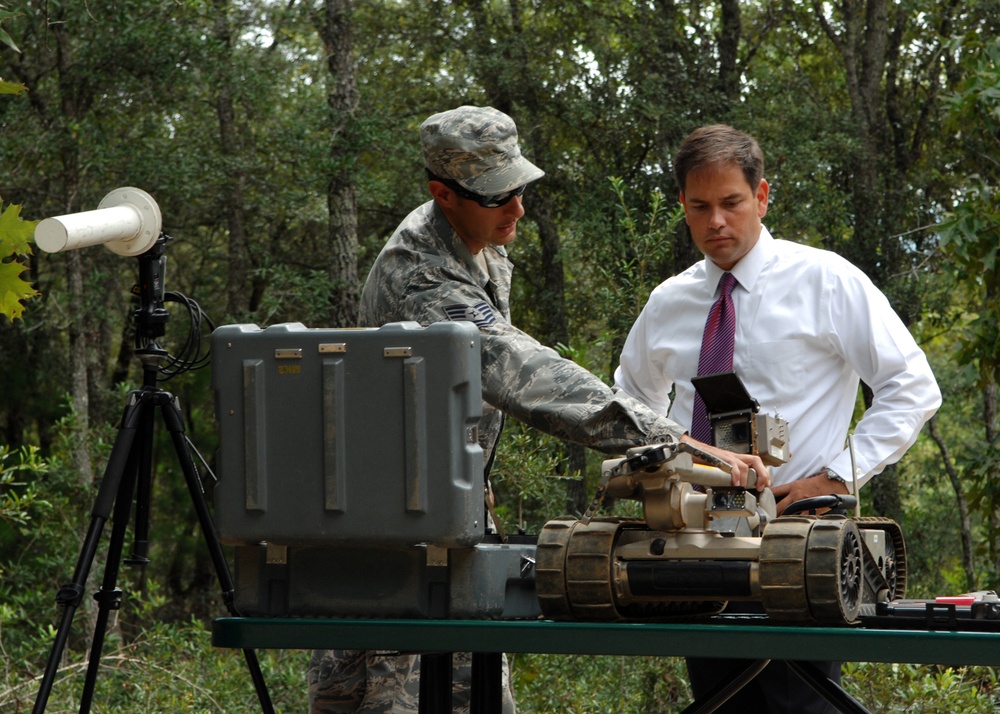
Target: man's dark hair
719,145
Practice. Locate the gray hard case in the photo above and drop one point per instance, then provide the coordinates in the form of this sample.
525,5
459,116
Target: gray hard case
349,436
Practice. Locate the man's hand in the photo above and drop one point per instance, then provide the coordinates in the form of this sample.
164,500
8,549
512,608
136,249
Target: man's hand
818,485
740,463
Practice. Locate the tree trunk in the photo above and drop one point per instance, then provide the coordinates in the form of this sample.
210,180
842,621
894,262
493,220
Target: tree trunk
79,324
553,300
342,228
237,283
551,284
552,288
729,42
965,522
79,343
993,473
79,347
989,373
862,46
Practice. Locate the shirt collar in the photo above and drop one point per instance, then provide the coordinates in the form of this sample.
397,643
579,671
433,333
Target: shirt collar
748,269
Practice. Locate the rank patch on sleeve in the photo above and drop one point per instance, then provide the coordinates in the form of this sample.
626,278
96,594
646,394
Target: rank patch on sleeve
480,313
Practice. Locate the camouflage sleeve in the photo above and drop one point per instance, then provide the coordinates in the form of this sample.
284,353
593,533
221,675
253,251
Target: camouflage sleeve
533,383
521,377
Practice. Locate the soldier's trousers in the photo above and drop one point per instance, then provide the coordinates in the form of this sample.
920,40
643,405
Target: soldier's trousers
379,682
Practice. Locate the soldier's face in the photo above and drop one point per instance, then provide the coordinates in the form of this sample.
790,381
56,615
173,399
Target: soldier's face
480,227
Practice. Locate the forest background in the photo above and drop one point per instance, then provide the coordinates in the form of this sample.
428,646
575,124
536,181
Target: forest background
280,141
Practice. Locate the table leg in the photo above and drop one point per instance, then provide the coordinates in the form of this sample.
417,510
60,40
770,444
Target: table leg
829,690
721,693
487,683
435,683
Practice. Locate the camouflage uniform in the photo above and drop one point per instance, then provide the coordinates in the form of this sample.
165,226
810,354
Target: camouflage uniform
363,682
426,273
378,682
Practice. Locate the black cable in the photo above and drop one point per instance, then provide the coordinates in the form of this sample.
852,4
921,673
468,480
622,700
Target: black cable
194,352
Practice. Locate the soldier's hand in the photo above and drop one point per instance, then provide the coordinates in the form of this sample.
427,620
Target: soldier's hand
740,464
818,485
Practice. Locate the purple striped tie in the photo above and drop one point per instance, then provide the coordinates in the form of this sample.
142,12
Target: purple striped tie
716,351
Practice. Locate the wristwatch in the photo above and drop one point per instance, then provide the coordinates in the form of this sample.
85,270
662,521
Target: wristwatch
834,476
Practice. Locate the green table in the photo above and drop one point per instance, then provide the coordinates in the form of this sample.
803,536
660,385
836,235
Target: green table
724,636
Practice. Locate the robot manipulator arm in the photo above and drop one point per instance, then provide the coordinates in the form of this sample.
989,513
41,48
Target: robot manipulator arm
676,492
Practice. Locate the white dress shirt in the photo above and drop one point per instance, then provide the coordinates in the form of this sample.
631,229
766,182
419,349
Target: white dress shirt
809,325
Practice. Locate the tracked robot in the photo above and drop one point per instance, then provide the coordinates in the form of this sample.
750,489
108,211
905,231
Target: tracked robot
702,542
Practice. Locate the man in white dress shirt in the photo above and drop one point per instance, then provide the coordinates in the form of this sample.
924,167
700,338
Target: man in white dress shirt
809,327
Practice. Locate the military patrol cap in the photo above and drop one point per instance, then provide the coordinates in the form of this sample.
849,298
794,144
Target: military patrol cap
477,148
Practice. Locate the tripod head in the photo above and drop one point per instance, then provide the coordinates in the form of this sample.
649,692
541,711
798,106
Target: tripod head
150,317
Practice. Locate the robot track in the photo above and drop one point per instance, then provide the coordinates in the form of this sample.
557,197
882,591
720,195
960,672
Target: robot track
574,576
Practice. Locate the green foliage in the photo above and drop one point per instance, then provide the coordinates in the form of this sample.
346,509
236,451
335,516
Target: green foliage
644,249
6,39
164,668
19,498
621,264
572,684
15,237
969,243
970,233
898,688
11,87
158,656
932,528
526,478
295,295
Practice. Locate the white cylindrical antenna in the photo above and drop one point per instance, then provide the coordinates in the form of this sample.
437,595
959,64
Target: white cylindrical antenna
127,220
855,475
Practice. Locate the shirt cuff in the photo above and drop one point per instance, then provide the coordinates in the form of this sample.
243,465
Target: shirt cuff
842,467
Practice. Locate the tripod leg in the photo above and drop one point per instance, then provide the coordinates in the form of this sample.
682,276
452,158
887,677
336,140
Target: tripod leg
175,425
143,488
70,595
109,597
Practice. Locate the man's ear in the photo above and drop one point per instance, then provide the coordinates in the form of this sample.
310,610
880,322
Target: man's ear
684,204
441,193
763,190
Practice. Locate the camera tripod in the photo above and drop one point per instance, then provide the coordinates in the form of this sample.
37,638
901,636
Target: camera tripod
127,477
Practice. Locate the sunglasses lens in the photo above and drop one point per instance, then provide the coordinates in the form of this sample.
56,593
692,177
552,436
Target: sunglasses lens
492,201
501,199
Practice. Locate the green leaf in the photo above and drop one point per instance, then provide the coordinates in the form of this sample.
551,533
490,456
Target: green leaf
15,240
5,38
15,232
11,87
13,290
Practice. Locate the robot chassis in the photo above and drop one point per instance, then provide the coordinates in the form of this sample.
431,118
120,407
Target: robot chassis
703,542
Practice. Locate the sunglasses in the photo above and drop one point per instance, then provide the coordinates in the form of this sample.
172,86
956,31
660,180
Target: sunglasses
491,201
